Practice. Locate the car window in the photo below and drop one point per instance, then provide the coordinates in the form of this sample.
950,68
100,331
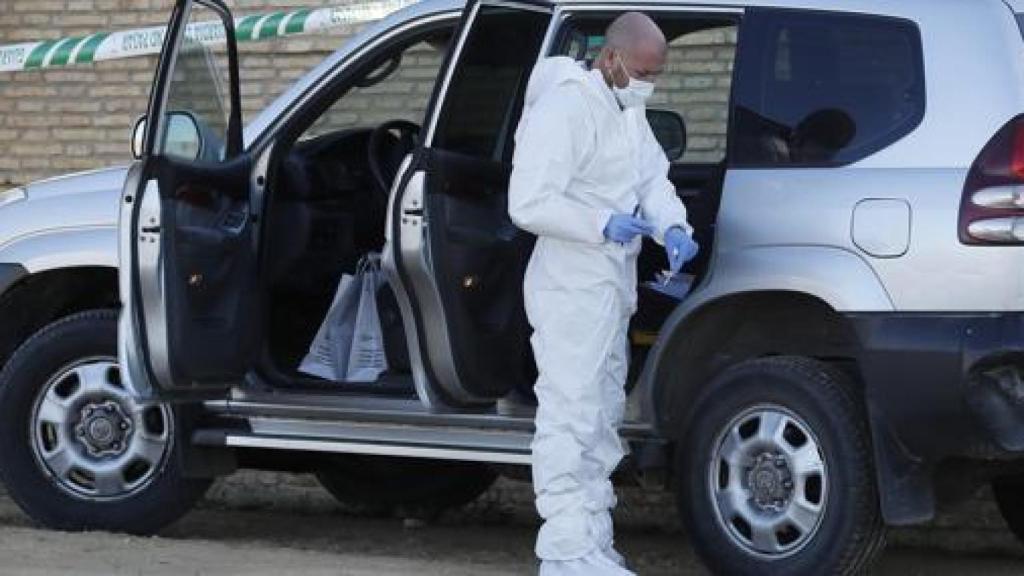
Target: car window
696,82
821,89
199,87
398,87
482,103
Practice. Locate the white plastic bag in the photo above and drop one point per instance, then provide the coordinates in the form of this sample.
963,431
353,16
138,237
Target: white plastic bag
366,360
349,346
320,359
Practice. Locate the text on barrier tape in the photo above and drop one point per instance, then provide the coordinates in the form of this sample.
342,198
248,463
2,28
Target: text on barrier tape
145,41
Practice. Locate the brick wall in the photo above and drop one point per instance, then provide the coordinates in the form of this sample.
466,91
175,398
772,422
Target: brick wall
64,120
77,118
696,84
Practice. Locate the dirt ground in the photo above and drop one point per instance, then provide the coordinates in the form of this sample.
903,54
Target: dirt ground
236,541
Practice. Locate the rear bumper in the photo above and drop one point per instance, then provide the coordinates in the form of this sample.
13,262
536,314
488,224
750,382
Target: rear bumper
939,386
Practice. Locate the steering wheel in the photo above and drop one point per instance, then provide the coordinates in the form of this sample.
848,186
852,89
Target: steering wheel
386,152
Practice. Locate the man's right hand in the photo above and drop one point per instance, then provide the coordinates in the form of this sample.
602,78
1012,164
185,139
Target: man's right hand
623,228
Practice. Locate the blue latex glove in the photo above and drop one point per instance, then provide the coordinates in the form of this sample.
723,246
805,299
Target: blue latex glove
680,248
623,228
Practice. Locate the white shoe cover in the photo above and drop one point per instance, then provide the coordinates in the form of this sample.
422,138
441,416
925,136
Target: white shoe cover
596,563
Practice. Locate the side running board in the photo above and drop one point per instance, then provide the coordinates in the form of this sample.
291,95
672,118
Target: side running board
439,443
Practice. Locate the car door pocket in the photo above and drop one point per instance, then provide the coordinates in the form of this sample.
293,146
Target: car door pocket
216,239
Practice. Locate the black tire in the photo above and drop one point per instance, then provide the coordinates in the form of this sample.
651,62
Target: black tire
1009,495
158,502
849,530
377,485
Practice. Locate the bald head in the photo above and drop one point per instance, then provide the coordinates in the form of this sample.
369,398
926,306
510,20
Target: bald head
634,30
634,46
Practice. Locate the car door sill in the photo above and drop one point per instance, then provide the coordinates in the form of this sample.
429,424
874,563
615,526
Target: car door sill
444,443
380,410
314,414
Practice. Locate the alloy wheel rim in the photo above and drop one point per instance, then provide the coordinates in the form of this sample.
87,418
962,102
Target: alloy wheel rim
768,482
91,438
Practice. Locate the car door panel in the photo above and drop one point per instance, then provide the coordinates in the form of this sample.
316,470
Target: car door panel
479,270
209,270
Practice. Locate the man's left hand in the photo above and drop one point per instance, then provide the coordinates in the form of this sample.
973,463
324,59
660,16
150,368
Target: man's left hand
680,248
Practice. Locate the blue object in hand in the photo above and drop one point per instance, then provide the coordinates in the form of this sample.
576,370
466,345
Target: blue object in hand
680,248
623,228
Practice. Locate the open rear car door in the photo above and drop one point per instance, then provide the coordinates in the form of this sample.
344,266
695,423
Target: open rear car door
189,323
455,248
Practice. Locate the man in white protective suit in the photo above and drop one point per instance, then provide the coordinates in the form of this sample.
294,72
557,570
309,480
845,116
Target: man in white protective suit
589,179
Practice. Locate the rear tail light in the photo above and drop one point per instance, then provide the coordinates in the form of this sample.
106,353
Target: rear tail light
992,208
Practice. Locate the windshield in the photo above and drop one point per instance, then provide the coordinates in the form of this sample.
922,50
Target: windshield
296,84
268,69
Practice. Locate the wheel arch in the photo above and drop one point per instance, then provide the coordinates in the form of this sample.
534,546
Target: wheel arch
60,248
35,299
700,340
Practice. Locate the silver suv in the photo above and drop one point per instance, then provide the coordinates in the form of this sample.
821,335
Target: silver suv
850,358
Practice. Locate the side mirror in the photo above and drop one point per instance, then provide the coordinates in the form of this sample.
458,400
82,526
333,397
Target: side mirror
182,138
670,131
138,137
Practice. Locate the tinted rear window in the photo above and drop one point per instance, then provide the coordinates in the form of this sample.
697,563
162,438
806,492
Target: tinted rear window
824,89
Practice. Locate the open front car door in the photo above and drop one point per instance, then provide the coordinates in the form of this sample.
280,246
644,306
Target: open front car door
189,323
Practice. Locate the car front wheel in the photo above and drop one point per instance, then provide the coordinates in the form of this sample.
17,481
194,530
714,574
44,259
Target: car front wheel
76,451
775,474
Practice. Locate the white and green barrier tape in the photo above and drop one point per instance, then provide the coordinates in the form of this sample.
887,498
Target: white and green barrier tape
144,41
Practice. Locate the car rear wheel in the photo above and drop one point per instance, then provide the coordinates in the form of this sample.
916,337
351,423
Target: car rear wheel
380,486
775,474
76,451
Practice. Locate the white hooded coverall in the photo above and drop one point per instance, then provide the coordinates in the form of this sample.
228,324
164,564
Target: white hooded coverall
580,158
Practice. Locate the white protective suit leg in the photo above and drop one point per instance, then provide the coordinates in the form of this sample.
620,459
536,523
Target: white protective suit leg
580,343
606,455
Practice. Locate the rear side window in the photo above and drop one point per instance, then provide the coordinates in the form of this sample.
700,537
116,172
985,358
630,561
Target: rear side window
824,89
487,89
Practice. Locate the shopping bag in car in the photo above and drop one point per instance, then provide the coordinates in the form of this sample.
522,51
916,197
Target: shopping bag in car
349,346
366,359
335,333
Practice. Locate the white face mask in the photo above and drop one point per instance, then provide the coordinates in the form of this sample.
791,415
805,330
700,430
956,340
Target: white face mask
636,92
